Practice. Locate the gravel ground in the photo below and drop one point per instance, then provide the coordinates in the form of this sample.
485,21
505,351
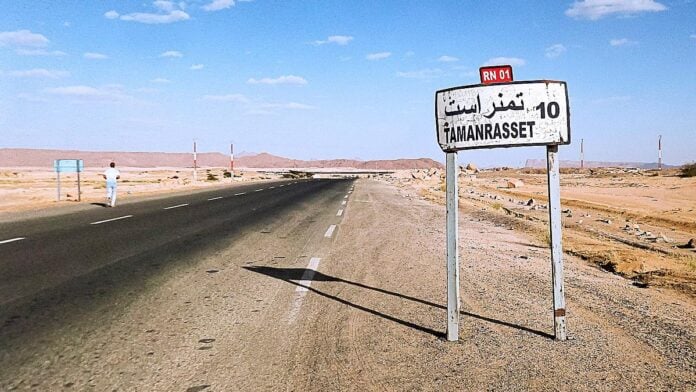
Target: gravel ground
227,317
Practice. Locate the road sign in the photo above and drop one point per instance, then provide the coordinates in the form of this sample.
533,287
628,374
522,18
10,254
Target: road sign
529,113
68,165
496,74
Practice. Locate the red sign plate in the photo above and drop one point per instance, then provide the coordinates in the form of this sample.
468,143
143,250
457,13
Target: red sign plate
496,74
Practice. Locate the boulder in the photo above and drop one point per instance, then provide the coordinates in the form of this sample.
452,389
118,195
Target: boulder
514,183
472,167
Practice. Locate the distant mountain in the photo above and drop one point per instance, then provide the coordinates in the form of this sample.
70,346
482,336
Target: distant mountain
18,157
541,163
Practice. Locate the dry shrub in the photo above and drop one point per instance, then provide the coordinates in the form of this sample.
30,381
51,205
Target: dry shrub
688,170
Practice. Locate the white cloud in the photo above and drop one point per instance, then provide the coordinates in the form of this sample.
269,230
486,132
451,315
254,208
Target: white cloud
95,56
335,39
217,5
160,80
227,98
288,105
40,52
285,79
167,12
514,61
22,38
196,67
107,93
554,51
421,74
378,56
447,59
163,5
621,42
174,16
171,54
597,9
37,73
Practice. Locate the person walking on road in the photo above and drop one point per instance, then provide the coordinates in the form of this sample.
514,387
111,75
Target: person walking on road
111,175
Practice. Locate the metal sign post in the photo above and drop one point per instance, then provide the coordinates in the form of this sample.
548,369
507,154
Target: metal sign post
554,187
491,115
452,202
195,163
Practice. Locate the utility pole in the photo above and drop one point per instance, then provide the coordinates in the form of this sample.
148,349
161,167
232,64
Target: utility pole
195,162
582,153
232,160
659,152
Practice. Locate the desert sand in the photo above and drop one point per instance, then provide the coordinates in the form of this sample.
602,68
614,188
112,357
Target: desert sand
631,222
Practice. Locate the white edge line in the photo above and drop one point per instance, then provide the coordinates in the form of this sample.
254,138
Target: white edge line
111,220
176,206
11,240
329,231
215,198
339,213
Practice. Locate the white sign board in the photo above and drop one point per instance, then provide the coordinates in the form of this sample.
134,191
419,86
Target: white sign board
528,113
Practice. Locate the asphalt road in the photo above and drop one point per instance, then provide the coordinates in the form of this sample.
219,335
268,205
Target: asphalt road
51,253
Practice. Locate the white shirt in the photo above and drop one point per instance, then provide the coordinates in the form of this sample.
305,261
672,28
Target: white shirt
111,174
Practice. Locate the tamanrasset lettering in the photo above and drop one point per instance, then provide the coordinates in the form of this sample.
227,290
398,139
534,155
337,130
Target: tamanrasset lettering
495,131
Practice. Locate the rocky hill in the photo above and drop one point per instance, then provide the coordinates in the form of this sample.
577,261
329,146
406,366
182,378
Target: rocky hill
18,157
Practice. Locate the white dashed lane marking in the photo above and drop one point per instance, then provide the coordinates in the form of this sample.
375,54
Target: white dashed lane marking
239,194
215,198
343,203
111,220
345,197
176,206
302,288
258,190
339,213
329,231
11,240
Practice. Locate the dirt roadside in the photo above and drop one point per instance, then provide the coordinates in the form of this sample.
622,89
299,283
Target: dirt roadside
390,259
373,318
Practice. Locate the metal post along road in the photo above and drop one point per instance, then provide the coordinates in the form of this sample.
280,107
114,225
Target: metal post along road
453,300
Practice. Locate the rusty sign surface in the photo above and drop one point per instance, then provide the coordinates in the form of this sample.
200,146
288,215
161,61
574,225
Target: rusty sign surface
527,113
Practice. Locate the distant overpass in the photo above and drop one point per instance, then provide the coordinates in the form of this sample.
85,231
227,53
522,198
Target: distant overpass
327,172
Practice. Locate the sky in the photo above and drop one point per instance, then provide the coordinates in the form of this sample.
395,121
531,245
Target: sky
323,79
